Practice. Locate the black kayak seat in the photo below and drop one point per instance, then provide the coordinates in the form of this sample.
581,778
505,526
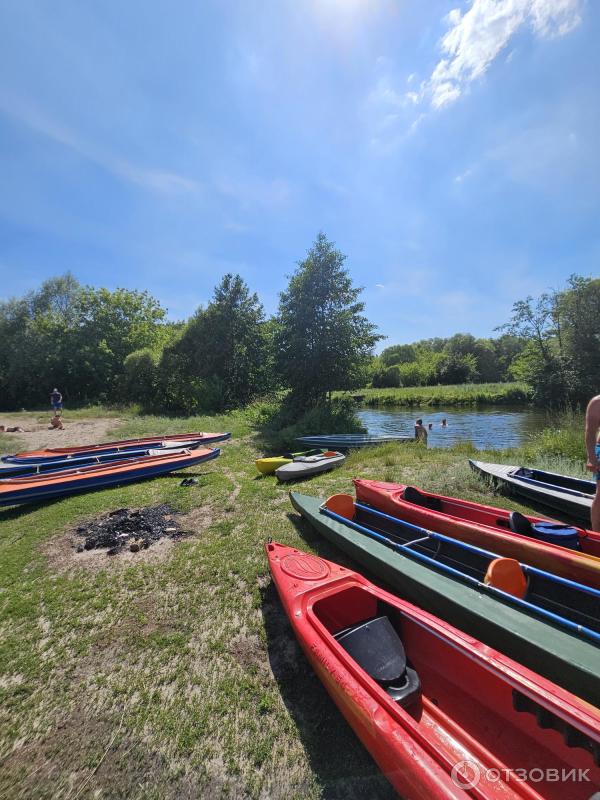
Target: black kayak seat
550,532
520,524
417,498
375,645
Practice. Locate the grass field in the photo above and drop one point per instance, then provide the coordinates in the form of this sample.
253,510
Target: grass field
173,673
465,394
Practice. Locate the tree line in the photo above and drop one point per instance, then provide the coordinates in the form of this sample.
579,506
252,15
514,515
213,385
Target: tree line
461,358
117,346
551,343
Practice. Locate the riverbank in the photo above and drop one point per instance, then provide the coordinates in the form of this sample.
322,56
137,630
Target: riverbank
468,394
173,672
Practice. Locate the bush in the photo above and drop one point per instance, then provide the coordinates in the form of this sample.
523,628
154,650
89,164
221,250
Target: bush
564,438
139,382
412,374
387,378
288,423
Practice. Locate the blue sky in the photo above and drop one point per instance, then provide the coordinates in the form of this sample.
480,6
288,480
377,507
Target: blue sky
450,149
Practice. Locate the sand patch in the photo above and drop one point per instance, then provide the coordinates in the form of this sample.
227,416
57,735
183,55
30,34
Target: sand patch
63,557
37,436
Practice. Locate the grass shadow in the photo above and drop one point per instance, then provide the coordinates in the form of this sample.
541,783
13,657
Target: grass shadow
280,425
342,766
190,474
8,513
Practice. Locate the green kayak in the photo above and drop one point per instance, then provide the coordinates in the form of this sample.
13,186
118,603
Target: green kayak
556,654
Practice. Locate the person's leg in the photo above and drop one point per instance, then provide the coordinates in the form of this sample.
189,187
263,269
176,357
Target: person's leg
595,513
596,509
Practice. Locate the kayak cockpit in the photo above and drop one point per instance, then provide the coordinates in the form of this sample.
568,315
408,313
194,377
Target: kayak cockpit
369,630
435,694
554,479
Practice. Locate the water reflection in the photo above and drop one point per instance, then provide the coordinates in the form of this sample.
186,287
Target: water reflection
490,427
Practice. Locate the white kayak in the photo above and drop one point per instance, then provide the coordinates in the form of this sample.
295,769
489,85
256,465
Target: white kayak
303,466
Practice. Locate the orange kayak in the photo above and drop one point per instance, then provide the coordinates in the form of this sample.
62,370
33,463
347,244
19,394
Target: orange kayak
157,442
489,528
36,488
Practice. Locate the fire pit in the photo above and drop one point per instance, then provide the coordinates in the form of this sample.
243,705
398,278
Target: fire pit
129,529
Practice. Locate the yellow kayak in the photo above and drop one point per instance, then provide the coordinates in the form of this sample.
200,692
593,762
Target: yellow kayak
268,465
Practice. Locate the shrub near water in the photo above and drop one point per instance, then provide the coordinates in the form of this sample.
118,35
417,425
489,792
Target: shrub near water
563,439
335,417
454,395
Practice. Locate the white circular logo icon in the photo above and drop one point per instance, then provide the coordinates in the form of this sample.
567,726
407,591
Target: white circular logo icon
466,774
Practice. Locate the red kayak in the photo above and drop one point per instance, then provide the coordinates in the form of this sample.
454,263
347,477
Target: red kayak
156,442
569,552
443,715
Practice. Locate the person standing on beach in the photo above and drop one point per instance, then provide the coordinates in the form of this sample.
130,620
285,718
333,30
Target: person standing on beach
592,424
56,401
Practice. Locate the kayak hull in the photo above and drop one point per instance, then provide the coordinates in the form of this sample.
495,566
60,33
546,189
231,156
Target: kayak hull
348,441
38,488
13,470
305,467
558,655
582,567
451,717
568,501
189,440
267,466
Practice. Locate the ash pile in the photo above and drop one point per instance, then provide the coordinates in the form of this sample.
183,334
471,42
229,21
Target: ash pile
127,529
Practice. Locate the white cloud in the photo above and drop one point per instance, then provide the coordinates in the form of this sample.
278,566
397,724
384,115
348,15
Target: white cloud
154,179
475,39
541,156
250,191
385,95
463,175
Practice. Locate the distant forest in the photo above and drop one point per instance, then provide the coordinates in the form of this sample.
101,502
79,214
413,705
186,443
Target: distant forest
461,358
101,346
551,342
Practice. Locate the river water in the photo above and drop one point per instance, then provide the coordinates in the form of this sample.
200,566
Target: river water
487,427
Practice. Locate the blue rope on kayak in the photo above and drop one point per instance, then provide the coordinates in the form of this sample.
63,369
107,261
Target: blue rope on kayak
405,549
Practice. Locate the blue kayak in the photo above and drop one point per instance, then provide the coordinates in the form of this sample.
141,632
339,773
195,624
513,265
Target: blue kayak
14,469
348,441
47,486
188,440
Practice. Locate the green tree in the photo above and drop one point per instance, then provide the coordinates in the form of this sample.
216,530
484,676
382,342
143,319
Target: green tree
223,355
561,357
323,340
456,368
398,354
110,326
73,337
34,331
387,377
462,345
578,330
507,348
140,376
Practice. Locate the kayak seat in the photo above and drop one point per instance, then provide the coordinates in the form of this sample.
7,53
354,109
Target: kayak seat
519,523
376,647
551,532
506,574
342,504
412,495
